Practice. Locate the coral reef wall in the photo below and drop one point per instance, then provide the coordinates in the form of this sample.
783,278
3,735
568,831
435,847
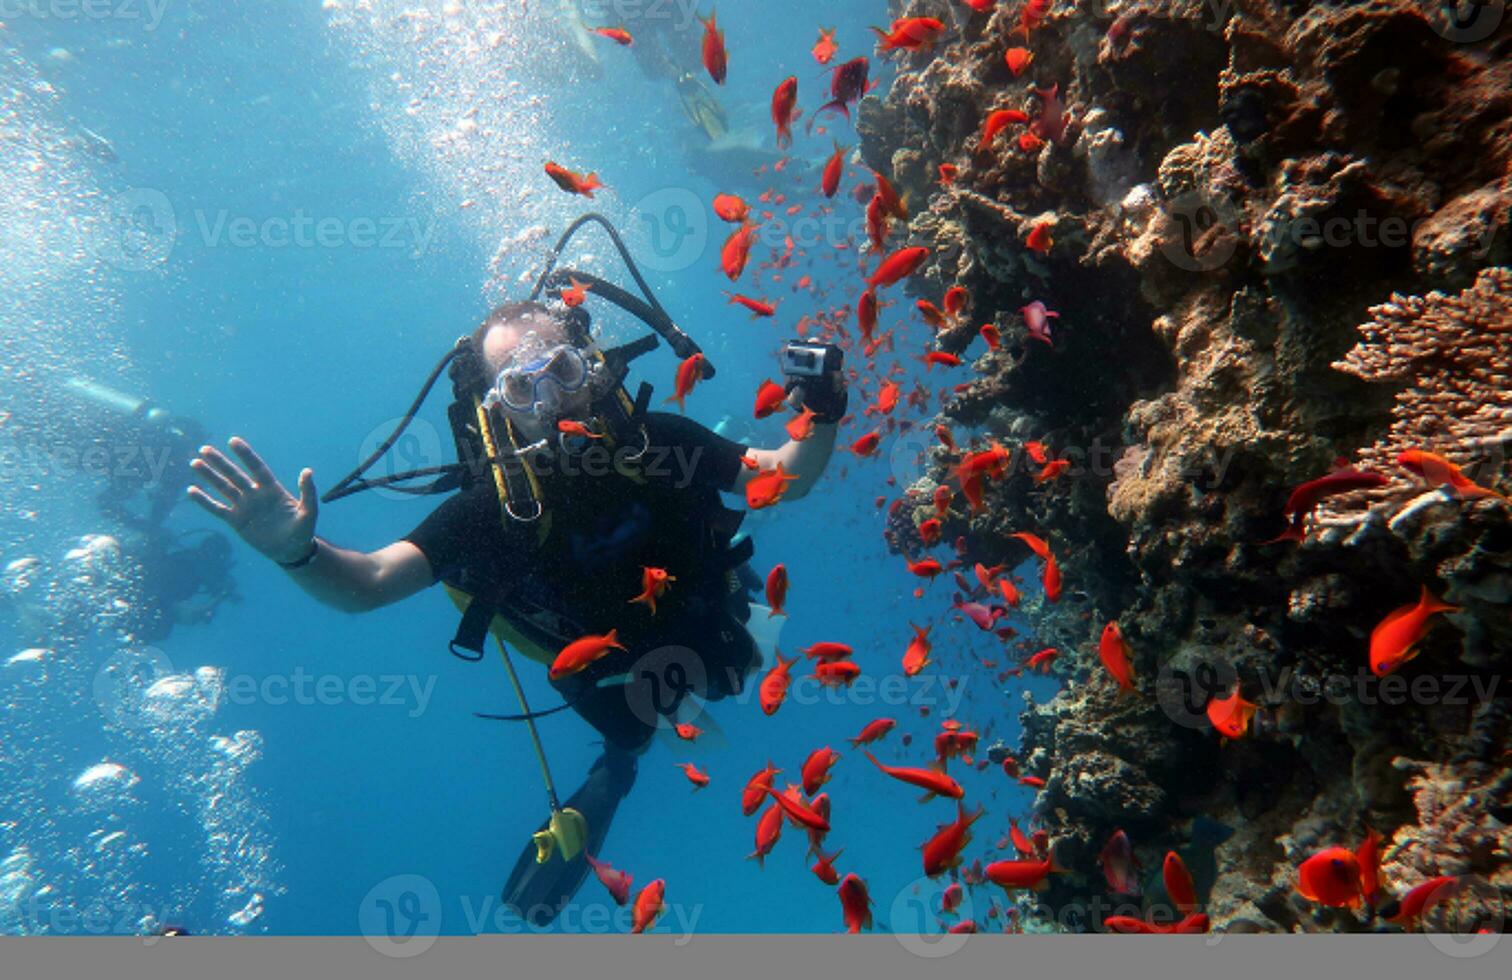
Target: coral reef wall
1280,233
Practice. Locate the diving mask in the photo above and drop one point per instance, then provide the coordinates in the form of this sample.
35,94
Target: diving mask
537,378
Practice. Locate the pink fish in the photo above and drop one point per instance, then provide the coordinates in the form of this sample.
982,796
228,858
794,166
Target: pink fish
1037,319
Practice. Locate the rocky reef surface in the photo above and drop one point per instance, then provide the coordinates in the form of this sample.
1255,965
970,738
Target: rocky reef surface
1281,234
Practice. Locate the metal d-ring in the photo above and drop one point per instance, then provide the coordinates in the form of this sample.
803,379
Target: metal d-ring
645,446
539,510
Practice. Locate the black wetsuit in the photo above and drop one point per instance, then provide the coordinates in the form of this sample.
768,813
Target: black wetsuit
578,579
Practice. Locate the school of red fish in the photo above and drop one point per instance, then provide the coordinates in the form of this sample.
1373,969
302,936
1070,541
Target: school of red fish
1337,876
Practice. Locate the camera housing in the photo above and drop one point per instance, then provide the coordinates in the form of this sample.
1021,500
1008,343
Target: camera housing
806,359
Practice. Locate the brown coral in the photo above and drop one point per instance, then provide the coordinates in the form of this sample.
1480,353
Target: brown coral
1451,357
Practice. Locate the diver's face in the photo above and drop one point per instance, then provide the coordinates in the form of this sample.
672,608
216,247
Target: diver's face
502,348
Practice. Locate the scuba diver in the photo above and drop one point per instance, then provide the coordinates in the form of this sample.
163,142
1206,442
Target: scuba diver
180,584
570,492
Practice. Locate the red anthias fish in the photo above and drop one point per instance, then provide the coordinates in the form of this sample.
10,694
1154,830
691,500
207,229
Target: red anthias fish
1440,472
715,59
689,374
934,781
774,686
737,251
573,183
866,314
847,86
1119,864
824,868
1423,897
776,590
910,34
1395,639
1016,875
833,171
855,904
1331,877
649,905
816,769
785,110
1306,498
1230,716
768,831
766,488
731,208
771,398
824,51
654,584
623,38
1114,652
1037,318
1039,238
1179,886
898,266
756,789
618,882
580,654
798,811
997,121
1193,925
942,852
874,730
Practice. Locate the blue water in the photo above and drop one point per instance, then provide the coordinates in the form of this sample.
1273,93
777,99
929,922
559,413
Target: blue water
233,110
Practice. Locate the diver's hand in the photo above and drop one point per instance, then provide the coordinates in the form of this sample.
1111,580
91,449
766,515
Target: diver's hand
257,506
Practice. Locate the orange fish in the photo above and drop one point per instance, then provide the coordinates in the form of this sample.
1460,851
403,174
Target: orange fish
801,426
687,731
939,357
798,811
837,672
924,567
618,882
571,428
866,445
1037,452
1039,239
1018,59
887,397
1368,854
933,781
1439,472
1036,544
1042,659
766,488
619,36
991,462
1019,875
824,868
715,59
996,122
949,172
774,685
1052,470
654,584
731,208
916,657
785,110
827,650
649,905
1050,579
1230,716
930,531
892,201
1031,143
1423,897
756,789
1178,883
898,266
932,314
833,171
991,336
816,769
1033,15
579,654
873,731
1395,639
771,398
758,307
1020,840
825,50
575,295
877,223
942,852
1192,925
696,776
768,832
689,374
942,499
573,183
737,251
910,34
956,298
866,314
1331,877
776,590
1115,654
855,904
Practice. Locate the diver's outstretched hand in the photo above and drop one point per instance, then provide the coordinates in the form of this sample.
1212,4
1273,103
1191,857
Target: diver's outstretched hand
257,506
